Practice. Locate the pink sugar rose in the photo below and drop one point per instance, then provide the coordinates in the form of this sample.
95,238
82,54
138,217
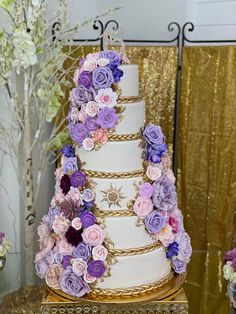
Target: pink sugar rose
76,223
106,97
58,197
88,278
91,108
43,231
79,266
99,253
47,244
102,62
153,173
93,235
89,64
88,144
94,55
53,276
170,175
166,236
100,136
65,248
143,206
60,225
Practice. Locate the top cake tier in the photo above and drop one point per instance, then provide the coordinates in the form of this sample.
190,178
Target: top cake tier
129,82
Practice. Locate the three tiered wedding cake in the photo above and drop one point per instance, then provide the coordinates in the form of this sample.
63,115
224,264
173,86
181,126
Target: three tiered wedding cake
114,226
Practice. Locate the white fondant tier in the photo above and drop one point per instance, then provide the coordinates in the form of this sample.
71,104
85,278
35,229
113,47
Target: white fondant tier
113,157
129,82
130,271
124,233
133,118
113,194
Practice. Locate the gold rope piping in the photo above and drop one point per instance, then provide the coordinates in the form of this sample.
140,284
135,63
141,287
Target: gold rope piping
124,137
113,175
129,99
133,291
135,251
114,213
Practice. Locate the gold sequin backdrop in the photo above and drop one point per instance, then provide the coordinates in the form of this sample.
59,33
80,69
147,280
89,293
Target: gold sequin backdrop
207,162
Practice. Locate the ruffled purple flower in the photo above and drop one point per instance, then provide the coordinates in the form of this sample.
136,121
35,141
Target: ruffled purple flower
78,132
179,266
72,284
66,260
117,74
229,256
107,118
146,190
111,55
87,218
85,79
41,268
172,250
78,179
154,154
80,95
82,250
164,196
65,184
154,222
69,208
154,136
185,249
102,77
91,123
68,151
73,236
69,164
96,268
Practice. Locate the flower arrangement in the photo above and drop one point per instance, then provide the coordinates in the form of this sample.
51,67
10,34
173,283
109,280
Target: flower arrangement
93,111
72,253
229,268
5,245
156,203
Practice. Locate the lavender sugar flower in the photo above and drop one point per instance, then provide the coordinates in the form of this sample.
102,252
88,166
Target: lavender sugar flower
78,132
154,222
102,77
164,195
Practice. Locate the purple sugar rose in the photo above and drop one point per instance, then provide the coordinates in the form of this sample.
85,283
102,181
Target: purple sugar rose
78,179
68,151
69,164
96,268
185,249
73,236
85,79
102,77
117,74
41,268
80,95
66,261
111,55
164,196
91,123
146,190
154,222
229,256
153,135
154,154
107,118
172,250
179,266
78,132
65,184
72,284
87,218
82,250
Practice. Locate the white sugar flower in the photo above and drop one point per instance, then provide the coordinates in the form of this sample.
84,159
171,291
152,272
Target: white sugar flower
229,273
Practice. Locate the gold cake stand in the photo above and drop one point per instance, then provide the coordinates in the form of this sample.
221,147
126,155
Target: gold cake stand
168,299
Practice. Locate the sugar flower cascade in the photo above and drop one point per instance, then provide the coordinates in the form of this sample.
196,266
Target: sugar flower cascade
156,204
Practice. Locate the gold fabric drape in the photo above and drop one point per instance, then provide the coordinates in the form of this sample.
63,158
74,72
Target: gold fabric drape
207,161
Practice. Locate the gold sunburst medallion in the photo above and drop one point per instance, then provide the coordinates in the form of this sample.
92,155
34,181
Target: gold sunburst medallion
113,196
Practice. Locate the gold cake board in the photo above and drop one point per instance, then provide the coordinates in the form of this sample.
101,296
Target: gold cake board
168,299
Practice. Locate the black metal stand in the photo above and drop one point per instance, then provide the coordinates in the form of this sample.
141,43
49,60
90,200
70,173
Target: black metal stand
180,40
